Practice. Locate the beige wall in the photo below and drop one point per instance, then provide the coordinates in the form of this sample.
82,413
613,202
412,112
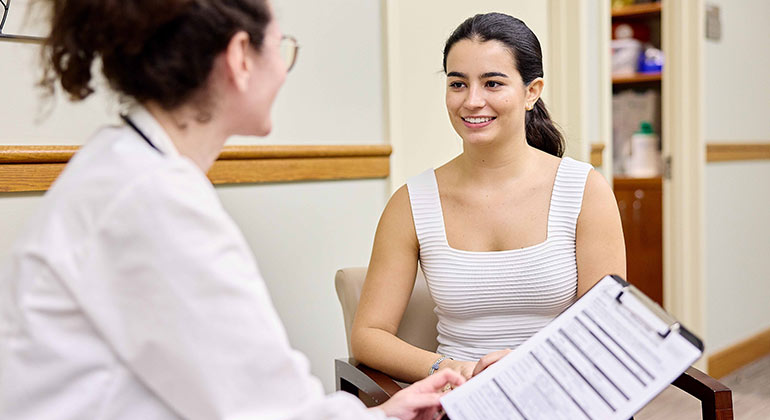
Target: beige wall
24,117
737,193
300,232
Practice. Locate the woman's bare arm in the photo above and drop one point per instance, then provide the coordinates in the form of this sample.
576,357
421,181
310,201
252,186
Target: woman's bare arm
386,293
600,249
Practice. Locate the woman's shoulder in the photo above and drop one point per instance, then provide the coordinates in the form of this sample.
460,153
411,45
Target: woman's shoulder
396,221
598,197
546,162
575,165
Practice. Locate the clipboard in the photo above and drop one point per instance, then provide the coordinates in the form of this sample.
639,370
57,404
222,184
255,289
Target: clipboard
604,357
673,324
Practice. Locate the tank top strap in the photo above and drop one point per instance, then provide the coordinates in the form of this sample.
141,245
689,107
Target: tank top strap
567,197
426,208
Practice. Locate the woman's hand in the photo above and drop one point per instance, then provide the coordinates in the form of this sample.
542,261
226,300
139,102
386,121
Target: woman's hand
471,369
460,366
420,401
488,360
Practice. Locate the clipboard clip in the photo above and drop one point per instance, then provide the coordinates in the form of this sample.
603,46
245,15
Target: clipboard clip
671,323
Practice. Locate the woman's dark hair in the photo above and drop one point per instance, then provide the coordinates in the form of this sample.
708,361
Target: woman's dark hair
523,44
159,50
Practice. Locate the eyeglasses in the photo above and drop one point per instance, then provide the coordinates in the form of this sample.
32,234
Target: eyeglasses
289,51
6,4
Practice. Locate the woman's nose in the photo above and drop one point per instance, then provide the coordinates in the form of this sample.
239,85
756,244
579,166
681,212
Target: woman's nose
475,98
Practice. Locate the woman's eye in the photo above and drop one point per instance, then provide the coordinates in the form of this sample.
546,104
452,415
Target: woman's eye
456,85
493,84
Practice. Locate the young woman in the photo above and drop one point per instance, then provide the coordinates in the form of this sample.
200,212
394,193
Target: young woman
508,234
133,295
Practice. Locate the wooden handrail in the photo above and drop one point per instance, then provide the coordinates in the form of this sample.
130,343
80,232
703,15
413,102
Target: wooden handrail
36,154
724,152
62,154
34,168
715,152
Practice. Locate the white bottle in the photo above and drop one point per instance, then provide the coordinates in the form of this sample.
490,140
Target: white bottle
644,161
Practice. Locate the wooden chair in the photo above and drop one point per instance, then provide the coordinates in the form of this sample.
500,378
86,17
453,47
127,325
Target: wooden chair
418,327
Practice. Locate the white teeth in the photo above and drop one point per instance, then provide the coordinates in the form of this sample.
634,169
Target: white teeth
478,120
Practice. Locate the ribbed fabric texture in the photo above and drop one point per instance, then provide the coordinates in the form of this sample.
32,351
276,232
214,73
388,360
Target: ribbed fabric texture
487,301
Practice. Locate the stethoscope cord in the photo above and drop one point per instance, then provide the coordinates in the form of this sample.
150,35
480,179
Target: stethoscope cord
138,131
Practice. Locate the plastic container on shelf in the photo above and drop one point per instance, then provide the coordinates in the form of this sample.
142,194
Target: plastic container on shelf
651,60
636,30
645,160
625,56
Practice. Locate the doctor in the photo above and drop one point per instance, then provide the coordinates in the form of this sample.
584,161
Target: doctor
133,295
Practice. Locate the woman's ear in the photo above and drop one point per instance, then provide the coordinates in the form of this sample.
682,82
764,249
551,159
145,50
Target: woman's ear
534,90
238,62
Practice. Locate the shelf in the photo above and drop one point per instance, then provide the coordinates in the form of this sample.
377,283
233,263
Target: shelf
637,10
637,78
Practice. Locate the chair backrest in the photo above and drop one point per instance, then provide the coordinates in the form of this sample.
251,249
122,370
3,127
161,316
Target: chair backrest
418,325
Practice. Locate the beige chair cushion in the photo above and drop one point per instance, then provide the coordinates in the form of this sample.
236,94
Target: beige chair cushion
418,326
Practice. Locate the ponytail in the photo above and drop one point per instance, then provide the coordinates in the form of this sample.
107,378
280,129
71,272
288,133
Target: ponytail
159,50
541,132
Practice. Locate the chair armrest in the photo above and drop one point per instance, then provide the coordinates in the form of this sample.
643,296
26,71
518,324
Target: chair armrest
352,377
716,399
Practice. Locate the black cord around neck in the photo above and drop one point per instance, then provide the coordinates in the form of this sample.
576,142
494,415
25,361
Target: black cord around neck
138,131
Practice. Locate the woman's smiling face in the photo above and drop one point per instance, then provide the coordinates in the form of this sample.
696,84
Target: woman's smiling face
485,96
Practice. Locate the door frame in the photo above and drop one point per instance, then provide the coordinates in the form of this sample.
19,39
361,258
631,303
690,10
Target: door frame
682,24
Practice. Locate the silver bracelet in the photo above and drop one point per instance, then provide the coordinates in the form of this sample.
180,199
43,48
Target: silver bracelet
434,367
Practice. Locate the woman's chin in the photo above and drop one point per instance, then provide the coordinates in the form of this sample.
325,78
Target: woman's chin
478,139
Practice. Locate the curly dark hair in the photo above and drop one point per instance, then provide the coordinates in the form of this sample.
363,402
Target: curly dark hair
159,50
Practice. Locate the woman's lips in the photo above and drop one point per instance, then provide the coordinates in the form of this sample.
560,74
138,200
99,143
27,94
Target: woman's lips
477,122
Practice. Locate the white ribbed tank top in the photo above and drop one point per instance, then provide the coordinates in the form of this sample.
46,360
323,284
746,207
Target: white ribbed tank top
487,301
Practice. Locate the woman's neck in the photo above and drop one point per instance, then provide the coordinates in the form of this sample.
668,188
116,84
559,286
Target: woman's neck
497,160
201,142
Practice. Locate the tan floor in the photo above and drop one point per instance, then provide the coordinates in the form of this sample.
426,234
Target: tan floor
751,397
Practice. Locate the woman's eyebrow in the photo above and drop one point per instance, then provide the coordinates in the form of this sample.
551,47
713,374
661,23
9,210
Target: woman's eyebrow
493,74
486,75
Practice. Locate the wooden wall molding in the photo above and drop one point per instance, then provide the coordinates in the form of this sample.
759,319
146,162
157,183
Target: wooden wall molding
597,151
738,355
34,168
724,152
715,152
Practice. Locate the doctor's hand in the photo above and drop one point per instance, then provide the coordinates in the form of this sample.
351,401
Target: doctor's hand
488,360
420,401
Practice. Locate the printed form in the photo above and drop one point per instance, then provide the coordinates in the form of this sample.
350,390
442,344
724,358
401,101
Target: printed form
605,357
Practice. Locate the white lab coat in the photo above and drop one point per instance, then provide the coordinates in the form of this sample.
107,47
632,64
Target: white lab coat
133,295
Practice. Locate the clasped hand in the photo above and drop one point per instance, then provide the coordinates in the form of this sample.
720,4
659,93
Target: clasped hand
470,369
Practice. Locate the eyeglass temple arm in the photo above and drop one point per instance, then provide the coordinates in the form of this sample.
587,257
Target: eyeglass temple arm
24,39
5,13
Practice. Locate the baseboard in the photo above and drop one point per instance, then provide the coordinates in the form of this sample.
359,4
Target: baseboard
738,355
